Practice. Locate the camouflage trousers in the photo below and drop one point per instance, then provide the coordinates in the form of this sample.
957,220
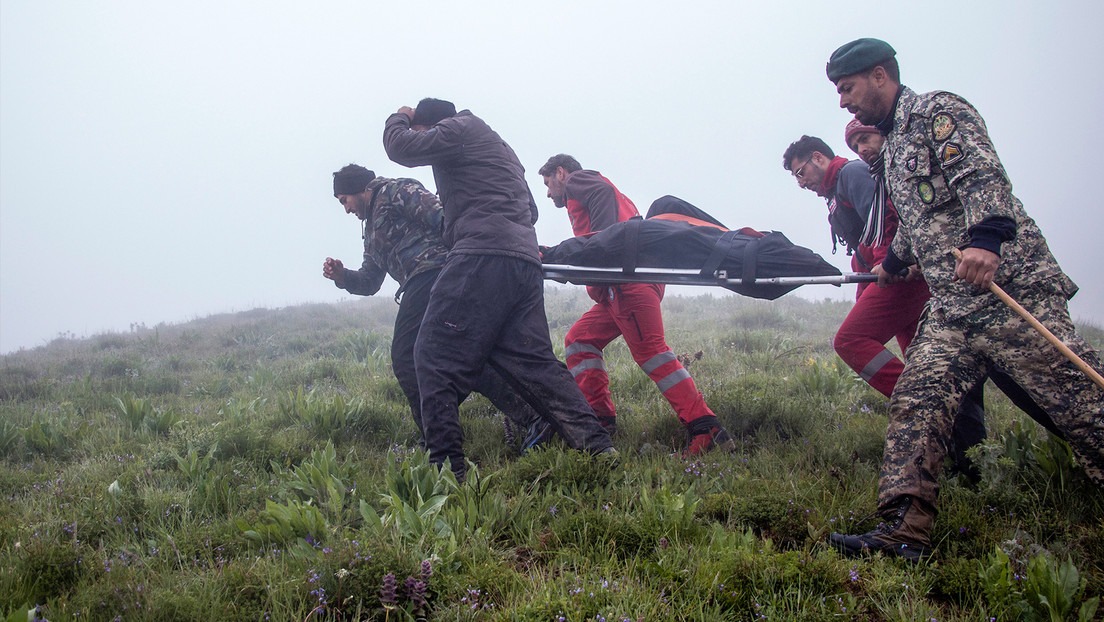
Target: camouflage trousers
947,357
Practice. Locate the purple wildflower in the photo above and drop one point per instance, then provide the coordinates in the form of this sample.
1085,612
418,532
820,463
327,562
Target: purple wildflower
388,592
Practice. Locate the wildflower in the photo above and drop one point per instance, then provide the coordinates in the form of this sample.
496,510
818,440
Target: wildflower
664,543
553,510
387,591
427,570
416,592
854,574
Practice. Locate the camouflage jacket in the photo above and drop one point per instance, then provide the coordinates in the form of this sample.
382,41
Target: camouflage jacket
402,235
944,177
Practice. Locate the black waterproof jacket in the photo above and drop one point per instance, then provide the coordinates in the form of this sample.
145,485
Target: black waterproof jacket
488,207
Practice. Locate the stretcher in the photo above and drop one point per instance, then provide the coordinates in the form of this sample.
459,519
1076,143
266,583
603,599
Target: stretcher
584,275
679,244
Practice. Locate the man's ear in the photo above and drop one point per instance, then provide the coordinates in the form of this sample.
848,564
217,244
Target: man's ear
879,76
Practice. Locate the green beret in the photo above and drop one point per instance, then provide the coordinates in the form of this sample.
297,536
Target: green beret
857,56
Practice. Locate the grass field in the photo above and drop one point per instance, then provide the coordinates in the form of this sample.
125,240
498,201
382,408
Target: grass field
263,466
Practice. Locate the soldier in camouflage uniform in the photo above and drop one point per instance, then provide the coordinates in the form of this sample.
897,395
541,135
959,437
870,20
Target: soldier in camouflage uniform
951,192
402,223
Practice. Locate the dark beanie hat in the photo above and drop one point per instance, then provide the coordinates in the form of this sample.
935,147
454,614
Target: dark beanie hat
857,56
430,111
352,179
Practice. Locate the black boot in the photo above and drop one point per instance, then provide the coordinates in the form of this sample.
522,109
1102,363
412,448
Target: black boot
905,532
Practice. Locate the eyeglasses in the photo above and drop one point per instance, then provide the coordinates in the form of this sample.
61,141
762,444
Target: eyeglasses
800,172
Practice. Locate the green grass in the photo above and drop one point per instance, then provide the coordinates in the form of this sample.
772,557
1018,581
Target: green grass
262,466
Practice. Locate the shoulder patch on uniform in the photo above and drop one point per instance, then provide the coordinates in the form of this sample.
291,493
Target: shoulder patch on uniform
950,154
926,192
911,164
943,125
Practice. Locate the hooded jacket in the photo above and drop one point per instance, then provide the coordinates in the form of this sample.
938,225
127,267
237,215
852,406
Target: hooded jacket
488,207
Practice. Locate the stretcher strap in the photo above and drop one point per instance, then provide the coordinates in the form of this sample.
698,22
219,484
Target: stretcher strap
632,245
720,251
751,256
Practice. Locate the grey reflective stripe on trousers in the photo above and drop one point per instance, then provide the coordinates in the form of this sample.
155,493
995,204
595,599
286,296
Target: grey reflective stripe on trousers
672,379
585,364
580,348
588,364
876,364
656,361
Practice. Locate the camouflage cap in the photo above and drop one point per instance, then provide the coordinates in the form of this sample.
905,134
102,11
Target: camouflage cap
857,56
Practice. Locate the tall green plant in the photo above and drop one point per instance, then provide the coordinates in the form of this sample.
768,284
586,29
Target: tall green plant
323,416
1041,590
320,479
416,493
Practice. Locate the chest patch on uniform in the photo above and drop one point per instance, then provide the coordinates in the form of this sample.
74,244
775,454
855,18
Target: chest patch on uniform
943,126
910,164
951,153
926,192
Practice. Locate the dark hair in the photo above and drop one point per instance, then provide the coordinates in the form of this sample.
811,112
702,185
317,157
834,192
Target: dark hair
892,69
568,163
804,147
351,179
430,111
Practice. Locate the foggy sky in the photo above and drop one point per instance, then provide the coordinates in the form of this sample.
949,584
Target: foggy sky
165,161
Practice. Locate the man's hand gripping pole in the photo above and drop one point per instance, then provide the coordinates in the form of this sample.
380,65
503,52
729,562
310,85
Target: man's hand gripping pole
1043,330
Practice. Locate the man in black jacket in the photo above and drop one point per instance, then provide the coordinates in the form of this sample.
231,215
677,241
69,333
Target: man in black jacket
487,306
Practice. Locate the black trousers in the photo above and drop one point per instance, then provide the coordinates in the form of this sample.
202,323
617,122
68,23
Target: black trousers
969,423
488,310
408,322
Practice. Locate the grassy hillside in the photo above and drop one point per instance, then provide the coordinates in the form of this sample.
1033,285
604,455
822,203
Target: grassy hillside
262,466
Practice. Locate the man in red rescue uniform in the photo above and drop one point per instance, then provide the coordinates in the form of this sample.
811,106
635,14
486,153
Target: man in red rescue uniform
629,310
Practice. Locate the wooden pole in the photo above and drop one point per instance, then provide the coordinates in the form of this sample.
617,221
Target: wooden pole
1043,330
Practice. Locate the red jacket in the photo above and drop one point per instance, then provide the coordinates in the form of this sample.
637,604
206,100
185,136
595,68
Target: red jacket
594,203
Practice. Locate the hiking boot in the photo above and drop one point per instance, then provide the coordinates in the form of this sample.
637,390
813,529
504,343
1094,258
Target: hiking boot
905,533
539,433
706,434
609,423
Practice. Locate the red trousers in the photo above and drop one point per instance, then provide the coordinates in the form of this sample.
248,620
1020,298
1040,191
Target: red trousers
630,311
880,314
